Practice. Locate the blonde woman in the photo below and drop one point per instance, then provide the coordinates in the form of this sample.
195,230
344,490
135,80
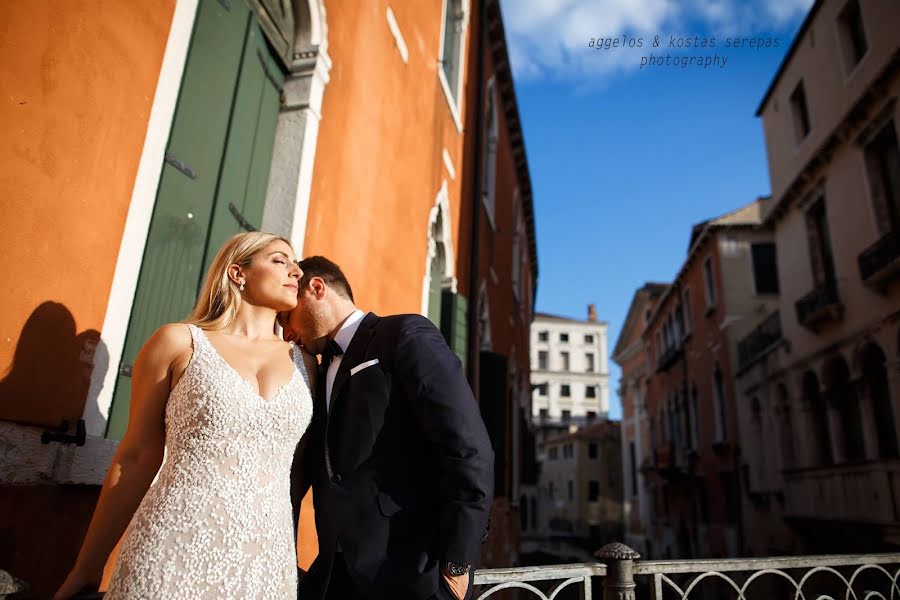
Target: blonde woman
229,401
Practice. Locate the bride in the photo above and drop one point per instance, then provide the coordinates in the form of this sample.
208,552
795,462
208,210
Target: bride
228,401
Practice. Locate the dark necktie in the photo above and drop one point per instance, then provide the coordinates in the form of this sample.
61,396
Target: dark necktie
332,349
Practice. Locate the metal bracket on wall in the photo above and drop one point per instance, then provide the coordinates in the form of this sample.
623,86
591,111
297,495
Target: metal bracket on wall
125,369
181,166
61,434
242,221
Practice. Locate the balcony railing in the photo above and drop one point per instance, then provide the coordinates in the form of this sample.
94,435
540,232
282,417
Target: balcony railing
880,261
859,493
759,340
668,358
623,577
820,305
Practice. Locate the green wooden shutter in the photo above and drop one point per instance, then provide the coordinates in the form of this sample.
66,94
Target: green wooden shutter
434,291
215,176
453,323
245,168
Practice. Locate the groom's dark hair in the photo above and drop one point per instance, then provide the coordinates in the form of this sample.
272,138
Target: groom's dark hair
319,266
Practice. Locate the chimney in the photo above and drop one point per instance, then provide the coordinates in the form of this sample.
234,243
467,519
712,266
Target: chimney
592,313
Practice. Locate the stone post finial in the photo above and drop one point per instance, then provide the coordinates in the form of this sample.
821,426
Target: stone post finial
619,581
616,551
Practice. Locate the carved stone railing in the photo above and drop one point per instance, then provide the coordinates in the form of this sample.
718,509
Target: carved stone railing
820,305
759,340
867,492
858,577
880,261
669,357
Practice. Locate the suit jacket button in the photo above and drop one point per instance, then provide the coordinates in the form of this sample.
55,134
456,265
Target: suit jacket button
335,478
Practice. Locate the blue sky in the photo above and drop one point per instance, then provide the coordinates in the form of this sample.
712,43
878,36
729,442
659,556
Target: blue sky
623,159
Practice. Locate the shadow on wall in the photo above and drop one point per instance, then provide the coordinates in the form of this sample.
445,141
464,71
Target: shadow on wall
50,375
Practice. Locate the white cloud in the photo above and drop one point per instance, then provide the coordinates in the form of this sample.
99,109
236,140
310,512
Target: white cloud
549,38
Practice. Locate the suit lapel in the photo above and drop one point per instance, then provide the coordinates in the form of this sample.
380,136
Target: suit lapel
356,351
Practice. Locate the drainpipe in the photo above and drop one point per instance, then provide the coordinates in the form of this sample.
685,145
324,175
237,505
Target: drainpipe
472,325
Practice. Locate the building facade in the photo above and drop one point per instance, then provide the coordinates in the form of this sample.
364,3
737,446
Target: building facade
569,372
693,474
136,153
581,488
637,454
819,379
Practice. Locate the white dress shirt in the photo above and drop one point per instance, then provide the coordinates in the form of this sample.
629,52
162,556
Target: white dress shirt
343,338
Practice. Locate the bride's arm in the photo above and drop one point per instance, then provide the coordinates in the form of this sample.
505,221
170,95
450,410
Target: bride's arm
138,457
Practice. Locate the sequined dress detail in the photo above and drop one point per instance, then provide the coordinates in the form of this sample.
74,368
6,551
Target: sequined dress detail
217,522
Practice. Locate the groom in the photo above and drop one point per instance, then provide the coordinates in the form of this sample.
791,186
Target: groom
398,456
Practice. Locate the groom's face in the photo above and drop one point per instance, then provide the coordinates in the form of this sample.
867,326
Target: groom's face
307,324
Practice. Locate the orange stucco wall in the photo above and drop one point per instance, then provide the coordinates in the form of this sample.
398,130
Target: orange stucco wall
76,89
379,165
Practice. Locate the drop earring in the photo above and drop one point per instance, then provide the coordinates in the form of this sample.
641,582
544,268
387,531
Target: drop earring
242,286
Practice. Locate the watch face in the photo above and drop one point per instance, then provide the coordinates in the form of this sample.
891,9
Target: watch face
457,569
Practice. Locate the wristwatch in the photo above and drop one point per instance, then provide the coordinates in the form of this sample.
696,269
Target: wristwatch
455,569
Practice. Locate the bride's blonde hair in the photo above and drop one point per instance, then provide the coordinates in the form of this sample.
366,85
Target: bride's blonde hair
219,299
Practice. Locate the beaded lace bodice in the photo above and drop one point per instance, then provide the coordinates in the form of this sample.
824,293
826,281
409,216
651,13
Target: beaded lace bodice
217,523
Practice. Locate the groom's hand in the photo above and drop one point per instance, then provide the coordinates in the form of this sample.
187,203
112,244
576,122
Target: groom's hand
458,585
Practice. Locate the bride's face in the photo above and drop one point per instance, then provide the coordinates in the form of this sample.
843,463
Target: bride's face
271,278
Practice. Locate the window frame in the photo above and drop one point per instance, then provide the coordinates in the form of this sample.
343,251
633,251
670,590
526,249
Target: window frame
753,268
801,120
454,101
709,280
847,42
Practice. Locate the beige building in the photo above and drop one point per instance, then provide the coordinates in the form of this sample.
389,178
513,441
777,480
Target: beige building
581,486
690,409
569,373
818,379
633,357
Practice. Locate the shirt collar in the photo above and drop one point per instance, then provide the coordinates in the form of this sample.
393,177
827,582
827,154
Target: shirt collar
348,329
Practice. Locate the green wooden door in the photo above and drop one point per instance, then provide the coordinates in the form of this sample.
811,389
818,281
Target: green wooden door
435,287
213,182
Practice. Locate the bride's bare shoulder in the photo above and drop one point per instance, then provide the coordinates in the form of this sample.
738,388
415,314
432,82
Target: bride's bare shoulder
169,341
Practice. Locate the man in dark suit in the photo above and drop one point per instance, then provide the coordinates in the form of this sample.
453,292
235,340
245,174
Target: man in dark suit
397,454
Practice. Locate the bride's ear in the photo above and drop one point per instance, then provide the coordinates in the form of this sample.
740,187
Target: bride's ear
235,274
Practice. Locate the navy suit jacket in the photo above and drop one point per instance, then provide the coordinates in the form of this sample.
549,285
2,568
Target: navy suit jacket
402,468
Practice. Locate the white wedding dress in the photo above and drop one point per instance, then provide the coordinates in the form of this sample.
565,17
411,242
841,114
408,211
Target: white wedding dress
217,523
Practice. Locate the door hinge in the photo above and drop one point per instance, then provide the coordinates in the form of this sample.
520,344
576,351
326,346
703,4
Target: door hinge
242,221
181,166
125,369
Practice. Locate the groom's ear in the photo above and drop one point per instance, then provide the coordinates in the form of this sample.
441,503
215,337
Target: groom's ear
318,287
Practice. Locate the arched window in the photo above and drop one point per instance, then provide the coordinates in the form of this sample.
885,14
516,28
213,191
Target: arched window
842,395
785,430
876,385
439,258
489,182
484,320
819,428
695,410
719,395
